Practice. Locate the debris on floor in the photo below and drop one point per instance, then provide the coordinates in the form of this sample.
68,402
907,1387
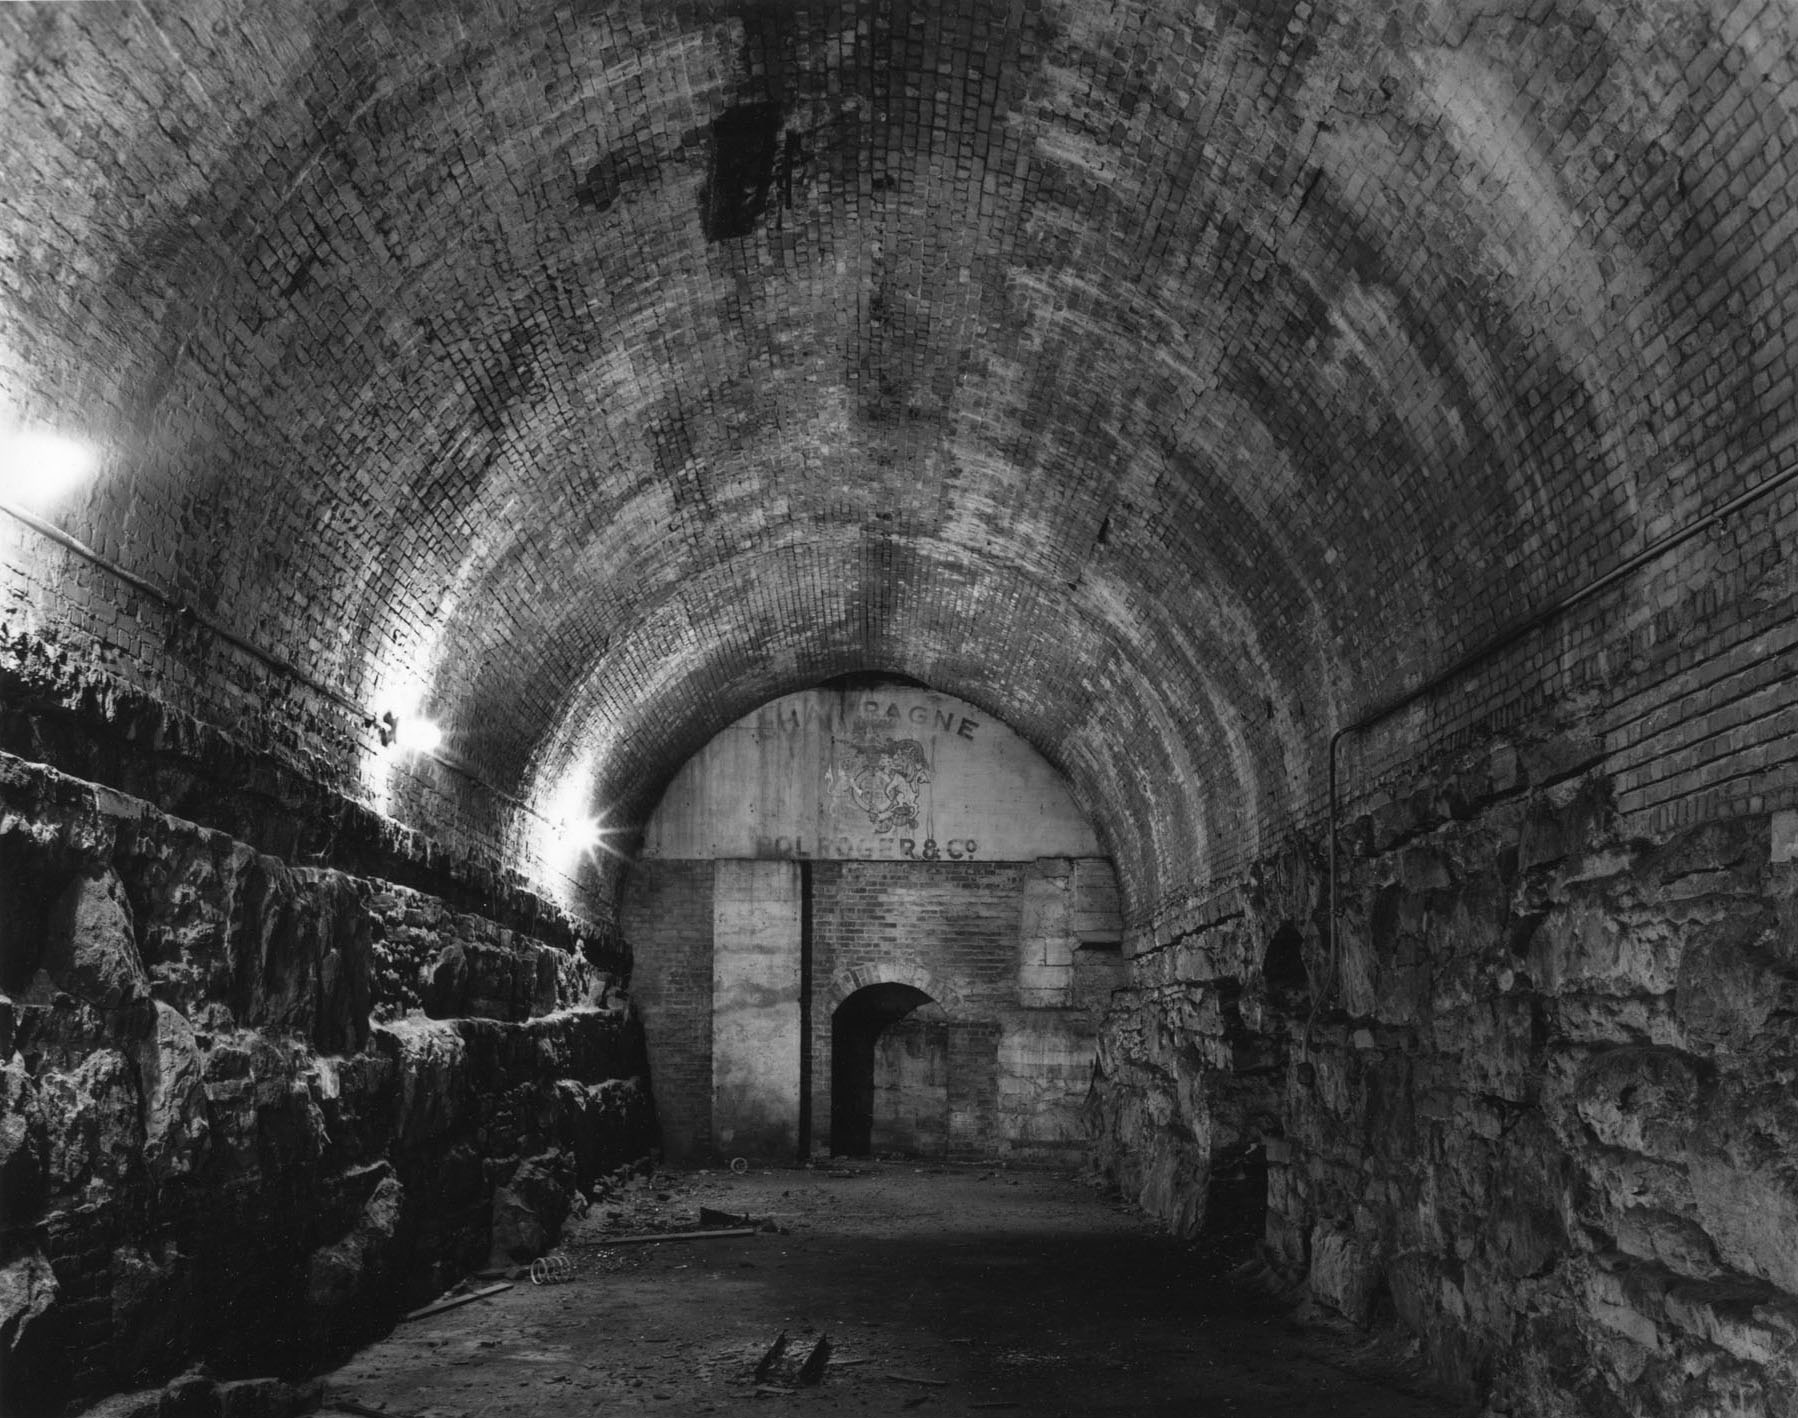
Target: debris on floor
552,1269
909,1292
811,1372
451,1301
771,1358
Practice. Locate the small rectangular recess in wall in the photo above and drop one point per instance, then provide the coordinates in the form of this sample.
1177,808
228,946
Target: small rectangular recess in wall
1785,837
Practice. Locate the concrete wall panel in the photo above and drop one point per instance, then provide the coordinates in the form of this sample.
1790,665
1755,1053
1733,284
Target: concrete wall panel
756,1040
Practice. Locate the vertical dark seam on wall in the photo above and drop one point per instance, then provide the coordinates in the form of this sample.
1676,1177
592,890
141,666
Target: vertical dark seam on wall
805,1010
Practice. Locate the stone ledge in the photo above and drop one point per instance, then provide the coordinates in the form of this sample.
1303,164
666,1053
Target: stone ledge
140,755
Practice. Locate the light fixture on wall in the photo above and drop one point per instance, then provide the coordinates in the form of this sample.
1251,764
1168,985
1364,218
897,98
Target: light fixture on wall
579,834
566,833
37,467
409,733
585,836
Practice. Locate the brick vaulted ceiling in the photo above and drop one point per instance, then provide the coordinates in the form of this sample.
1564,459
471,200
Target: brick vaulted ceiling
1172,379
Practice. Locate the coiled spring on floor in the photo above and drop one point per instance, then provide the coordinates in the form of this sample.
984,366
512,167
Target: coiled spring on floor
552,1269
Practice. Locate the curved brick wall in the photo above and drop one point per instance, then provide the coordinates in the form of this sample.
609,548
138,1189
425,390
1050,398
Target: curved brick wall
1178,379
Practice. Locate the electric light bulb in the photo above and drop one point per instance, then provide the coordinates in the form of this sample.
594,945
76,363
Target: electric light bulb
37,467
417,735
581,834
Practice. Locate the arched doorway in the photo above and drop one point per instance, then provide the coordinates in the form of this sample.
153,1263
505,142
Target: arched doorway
889,1046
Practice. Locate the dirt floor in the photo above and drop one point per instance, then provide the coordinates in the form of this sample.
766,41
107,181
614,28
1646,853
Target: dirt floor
943,1290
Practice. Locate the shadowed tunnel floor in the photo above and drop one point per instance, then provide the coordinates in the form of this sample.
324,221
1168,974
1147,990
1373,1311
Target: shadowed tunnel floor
1004,1291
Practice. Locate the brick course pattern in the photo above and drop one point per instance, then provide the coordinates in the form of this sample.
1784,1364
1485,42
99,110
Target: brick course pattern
950,928
667,917
957,922
1175,380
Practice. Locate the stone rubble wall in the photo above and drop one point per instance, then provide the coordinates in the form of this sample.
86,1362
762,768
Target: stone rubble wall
251,1112
245,776
1540,1110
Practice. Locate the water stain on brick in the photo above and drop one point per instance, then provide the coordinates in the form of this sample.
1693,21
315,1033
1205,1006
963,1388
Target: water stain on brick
670,443
601,186
300,279
745,144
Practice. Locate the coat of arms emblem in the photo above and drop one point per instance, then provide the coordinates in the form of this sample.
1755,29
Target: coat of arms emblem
882,779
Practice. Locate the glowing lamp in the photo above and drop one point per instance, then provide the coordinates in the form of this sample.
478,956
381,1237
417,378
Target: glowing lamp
36,468
410,734
580,834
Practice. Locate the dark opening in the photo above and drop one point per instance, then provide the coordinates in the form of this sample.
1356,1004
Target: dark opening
30,883
889,1091
1236,1206
859,680
1288,986
805,1010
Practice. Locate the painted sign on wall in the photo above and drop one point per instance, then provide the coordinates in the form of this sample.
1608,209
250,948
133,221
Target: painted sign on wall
894,773
882,779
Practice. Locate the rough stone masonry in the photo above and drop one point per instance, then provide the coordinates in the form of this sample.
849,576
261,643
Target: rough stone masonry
253,1112
1538,1107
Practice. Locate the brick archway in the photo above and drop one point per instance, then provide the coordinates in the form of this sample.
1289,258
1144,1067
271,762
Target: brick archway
846,982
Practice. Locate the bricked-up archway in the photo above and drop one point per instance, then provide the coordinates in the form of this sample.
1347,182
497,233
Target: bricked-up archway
1183,379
